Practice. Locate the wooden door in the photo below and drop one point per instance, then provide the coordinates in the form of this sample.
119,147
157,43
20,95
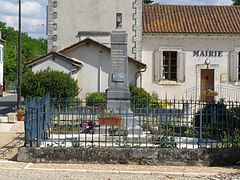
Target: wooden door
207,83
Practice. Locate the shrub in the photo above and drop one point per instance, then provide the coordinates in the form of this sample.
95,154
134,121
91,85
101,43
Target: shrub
96,98
218,119
58,84
140,98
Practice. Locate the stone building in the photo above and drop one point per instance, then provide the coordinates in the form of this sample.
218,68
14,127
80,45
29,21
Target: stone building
73,20
88,62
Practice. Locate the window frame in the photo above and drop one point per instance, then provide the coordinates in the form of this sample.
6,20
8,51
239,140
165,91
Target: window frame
161,80
119,20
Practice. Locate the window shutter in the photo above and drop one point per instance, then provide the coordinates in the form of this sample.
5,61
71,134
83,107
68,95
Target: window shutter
180,66
233,67
157,65
161,65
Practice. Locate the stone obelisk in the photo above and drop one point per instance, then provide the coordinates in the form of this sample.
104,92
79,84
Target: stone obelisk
118,94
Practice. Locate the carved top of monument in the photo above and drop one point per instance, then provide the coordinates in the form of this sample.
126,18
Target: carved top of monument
119,37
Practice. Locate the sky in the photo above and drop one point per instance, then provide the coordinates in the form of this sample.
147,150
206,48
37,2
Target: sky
34,13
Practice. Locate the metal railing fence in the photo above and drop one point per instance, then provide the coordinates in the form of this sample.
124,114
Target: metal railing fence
169,124
223,92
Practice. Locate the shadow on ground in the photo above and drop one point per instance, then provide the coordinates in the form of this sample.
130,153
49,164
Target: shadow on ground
9,150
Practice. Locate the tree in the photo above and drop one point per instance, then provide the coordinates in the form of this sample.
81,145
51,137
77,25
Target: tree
236,2
147,1
31,49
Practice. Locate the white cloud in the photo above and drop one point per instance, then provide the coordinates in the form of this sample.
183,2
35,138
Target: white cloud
33,16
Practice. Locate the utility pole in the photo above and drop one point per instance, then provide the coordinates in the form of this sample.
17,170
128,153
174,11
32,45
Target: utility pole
19,63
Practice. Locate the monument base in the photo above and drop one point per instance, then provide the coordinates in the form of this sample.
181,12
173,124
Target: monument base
118,98
131,124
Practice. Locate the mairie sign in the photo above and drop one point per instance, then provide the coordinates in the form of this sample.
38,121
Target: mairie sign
199,53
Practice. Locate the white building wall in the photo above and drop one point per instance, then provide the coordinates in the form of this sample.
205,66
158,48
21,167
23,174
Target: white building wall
193,65
93,57
56,64
67,18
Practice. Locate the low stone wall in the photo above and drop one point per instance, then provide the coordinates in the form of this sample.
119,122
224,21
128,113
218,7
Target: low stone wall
146,156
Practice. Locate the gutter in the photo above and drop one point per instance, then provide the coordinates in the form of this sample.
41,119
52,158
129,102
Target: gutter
139,74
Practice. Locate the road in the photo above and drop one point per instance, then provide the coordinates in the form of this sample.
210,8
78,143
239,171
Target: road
7,103
24,171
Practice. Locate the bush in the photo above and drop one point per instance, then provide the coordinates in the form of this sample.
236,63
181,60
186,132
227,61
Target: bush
218,119
96,98
140,98
58,84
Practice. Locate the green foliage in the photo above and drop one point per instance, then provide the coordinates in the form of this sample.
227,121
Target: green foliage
76,143
31,48
236,2
147,1
96,98
58,84
218,119
165,142
110,114
140,97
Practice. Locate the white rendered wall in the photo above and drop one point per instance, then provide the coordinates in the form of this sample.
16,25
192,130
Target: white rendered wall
93,56
57,64
72,16
188,44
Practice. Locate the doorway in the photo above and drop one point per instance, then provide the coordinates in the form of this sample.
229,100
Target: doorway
207,84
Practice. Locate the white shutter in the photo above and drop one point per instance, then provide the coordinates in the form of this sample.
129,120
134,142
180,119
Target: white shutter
183,67
161,65
180,66
157,65
233,67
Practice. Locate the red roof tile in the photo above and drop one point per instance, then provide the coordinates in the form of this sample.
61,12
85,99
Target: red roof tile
191,19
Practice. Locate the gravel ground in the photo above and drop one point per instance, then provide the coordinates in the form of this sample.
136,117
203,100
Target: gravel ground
25,171
28,173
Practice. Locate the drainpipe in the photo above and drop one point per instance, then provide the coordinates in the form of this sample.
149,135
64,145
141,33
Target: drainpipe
139,74
99,71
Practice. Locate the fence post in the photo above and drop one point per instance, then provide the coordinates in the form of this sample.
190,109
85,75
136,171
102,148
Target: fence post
38,125
200,124
26,122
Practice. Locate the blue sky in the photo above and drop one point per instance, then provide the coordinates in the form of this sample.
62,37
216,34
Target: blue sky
34,13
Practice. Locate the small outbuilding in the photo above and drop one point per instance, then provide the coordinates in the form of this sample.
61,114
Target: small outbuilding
88,62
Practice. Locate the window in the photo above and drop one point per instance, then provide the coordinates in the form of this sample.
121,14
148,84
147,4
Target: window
118,20
170,65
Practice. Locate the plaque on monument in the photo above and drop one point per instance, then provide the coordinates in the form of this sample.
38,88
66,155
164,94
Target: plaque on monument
118,77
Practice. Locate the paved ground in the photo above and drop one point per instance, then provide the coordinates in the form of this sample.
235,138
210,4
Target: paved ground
23,171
